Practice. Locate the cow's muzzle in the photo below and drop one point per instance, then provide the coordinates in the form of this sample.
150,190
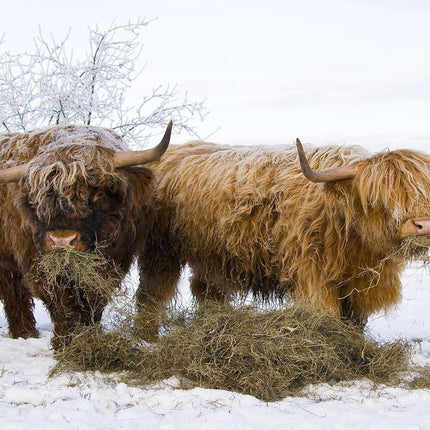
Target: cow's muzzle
64,239
415,226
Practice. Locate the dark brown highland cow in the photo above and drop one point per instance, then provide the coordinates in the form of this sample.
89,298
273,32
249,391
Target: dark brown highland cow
248,219
75,188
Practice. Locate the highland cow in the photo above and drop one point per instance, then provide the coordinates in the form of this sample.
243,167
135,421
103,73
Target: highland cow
75,188
250,220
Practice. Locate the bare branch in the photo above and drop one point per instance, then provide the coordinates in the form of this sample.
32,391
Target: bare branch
49,86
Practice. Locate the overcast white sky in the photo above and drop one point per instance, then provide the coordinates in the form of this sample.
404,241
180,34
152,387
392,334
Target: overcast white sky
339,71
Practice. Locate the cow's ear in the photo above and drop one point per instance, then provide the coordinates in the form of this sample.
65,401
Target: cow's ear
141,187
339,195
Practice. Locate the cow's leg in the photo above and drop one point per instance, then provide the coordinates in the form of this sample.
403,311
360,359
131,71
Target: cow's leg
158,285
351,312
18,304
204,291
71,308
65,324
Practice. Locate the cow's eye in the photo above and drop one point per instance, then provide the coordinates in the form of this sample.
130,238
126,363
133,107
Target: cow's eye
99,195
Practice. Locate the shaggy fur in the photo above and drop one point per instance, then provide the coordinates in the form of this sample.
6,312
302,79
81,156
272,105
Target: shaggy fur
245,219
70,185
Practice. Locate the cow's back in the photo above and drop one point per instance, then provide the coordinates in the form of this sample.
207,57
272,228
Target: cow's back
243,205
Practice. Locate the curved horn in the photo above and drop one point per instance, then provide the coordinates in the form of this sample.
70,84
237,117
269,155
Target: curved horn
12,174
327,175
133,158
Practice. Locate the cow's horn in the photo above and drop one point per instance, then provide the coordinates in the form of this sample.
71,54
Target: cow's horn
327,175
12,174
133,158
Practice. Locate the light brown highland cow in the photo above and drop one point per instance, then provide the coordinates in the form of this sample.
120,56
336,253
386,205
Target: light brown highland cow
248,219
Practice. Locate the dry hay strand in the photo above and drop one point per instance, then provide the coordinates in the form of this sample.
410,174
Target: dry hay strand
270,354
421,378
416,247
90,272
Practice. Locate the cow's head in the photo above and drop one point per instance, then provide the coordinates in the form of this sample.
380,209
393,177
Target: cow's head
82,191
385,197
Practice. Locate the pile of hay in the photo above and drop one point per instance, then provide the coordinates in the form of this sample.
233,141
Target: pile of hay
269,354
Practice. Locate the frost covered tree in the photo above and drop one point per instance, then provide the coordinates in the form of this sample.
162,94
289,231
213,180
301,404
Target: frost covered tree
49,86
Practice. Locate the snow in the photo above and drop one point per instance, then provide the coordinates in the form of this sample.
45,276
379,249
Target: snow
327,72
29,396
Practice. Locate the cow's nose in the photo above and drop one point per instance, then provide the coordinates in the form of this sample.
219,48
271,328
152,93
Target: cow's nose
64,239
415,226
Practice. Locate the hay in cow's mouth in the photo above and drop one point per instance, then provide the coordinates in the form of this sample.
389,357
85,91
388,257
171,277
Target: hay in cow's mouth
416,247
90,272
270,354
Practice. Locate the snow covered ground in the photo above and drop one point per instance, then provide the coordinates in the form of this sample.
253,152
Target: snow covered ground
30,399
